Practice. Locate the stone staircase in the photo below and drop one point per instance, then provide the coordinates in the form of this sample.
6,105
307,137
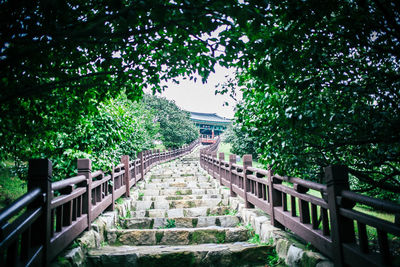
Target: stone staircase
180,217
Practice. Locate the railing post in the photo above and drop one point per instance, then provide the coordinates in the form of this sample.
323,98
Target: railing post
112,188
342,229
221,158
141,165
39,175
275,197
247,162
85,168
214,164
232,160
127,175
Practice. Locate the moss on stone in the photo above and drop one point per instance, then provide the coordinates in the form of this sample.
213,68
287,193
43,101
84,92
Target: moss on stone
220,236
191,204
184,258
159,236
194,222
174,198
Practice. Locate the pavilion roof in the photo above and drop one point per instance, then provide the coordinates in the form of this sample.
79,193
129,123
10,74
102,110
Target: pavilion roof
208,117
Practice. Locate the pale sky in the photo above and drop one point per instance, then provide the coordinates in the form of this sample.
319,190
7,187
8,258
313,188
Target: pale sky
200,97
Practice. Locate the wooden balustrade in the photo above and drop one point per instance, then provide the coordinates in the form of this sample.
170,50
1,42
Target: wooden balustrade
44,221
328,221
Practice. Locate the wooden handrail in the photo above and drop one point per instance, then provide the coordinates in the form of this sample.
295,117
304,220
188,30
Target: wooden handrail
61,219
289,207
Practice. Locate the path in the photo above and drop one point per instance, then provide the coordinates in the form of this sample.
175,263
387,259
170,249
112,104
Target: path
181,218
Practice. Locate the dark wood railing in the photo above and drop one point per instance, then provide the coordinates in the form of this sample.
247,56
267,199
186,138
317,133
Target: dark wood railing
328,221
44,221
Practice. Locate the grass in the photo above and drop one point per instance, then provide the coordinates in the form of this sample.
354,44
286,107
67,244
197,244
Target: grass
170,224
11,187
226,149
140,197
161,147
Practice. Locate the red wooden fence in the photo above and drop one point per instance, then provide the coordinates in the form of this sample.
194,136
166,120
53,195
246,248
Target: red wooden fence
48,223
328,222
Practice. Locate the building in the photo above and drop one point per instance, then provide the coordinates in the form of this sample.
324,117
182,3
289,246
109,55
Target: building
210,125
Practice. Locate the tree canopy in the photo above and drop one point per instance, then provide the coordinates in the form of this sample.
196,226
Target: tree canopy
60,59
320,80
176,128
321,86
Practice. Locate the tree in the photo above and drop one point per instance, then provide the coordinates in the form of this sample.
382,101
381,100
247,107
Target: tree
241,141
321,86
120,127
60,59
176,128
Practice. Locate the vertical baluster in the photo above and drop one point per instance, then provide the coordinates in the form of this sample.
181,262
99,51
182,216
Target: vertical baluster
232,160
284,202
325,222
362,237
67,212
52,221
221,170
314,216
265,192
384,248
304,208
59,218
293,206
25,244
112,186
79,211
12,254
74,208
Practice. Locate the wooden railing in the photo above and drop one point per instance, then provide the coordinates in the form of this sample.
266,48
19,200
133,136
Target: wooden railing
328,221
44,221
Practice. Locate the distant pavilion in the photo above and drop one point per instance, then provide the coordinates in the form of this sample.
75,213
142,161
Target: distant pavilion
210,125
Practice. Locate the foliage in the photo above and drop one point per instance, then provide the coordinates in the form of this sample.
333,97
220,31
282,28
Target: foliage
176,128
119,127
321,86
170,223
242,142
60,60
320,81
11,187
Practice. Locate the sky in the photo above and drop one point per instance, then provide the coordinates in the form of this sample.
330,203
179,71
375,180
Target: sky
199,97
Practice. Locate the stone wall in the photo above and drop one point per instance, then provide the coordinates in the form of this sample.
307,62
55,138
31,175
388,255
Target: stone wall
94,238
288,246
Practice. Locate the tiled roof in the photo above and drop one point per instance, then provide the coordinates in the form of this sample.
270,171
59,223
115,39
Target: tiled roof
211,117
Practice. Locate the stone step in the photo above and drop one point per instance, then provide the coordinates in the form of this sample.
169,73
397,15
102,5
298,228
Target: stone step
172,204
185,197
156,179
176,236
177,186
235,254
180,222
184,212
179,191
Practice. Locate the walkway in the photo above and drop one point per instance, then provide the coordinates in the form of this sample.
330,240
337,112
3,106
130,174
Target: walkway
180,218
